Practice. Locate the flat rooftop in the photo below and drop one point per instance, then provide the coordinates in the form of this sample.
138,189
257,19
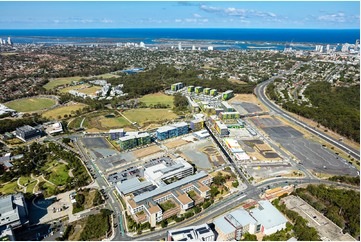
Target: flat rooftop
170,187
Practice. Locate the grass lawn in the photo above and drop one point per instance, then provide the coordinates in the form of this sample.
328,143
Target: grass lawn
31,186
77,121
67,89
49,189
9,188
24,180
30,104
61,81
147,115
59,174
167,205
117,122
157,98
90,90
61,111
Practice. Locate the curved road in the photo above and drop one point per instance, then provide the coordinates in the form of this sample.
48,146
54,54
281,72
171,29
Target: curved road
260,93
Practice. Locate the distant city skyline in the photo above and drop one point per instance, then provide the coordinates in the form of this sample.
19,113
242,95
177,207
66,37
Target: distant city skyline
150,14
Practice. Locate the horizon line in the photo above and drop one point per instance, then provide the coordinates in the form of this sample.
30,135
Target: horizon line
182,28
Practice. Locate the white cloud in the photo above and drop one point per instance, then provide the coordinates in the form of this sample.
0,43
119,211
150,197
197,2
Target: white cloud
239,12
192,20
107,21
339,17
196,15
81,20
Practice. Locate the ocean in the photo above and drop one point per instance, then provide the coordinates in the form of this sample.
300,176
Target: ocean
161,35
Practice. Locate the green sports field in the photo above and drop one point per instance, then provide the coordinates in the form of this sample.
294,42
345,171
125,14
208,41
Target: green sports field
152,99
61,111
30,104
61,81
148,115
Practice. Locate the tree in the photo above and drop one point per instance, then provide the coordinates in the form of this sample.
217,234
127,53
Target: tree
164,223
249,237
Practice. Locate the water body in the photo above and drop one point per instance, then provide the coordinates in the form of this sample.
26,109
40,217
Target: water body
238,37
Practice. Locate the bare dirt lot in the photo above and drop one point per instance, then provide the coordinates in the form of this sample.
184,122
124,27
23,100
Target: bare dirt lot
175,143
146,151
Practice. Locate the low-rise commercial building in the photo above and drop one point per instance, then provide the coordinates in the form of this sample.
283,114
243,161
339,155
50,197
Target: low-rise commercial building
164,169
115,134
227,107
269,217
27,133
195,233
227,95
190,89
213,92
197,124
173,130
199,89
176,86
229,115
53,128
221,128
202,134
264,219
134,140
235,224
194,107
206,91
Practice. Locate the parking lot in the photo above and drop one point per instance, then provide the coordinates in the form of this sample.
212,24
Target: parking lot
245,107
97,142
327,230
311,154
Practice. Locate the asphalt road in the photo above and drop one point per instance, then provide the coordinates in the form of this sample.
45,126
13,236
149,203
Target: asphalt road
260,92
112,202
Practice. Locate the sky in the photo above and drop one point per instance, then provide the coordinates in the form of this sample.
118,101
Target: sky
181,14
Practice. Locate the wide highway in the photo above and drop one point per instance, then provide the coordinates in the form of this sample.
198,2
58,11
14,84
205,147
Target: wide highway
260,93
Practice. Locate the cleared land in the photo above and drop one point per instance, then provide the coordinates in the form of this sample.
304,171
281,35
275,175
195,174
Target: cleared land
146,115
64,110
175,143
236,81
31,104
157,98
147,151
61,81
